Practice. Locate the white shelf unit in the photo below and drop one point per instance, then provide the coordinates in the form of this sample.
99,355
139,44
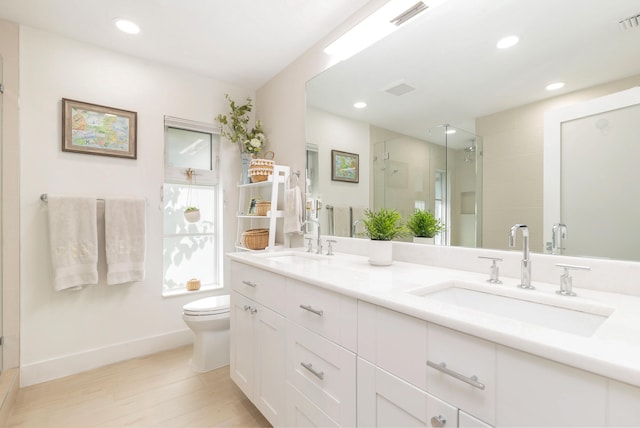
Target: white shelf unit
270,190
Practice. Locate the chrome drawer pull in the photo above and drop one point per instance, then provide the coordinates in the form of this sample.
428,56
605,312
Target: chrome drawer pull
438,421
249,283
247,307
254,310
473,380
308,366
318,312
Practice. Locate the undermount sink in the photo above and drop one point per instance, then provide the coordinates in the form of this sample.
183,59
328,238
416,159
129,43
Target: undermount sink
567,316
293,257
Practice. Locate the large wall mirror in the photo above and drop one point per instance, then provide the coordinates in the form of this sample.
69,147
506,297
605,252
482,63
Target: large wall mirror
455,125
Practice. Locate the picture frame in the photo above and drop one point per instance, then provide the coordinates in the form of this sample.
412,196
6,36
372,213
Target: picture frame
251,209
98,130
345,166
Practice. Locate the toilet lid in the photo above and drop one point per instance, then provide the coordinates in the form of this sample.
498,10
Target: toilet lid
208,306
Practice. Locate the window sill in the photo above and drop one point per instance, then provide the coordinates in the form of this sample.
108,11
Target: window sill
183,292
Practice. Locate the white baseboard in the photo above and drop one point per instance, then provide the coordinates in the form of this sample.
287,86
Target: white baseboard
55,368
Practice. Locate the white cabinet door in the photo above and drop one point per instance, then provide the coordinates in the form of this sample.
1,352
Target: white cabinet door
624,405
268,394
242,342
533,391
258,355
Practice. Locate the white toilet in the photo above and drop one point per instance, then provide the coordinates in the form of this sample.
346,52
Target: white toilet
208,318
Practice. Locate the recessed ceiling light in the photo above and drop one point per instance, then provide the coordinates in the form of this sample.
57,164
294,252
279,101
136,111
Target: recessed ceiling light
507,42
450,131
554,86
360,104
127,26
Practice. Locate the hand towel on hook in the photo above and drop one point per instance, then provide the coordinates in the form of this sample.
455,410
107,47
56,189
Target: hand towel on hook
125,239
73,233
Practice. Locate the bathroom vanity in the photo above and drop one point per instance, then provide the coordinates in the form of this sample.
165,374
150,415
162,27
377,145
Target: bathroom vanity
333,341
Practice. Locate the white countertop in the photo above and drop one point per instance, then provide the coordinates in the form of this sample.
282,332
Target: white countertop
612,351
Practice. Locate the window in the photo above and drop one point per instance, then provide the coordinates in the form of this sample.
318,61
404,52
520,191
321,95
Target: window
191,250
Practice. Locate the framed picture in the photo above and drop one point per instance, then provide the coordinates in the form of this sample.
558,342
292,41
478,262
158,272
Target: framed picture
251,209
344,166
98,130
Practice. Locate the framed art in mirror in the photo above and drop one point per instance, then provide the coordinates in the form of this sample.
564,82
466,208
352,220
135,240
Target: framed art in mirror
345,166
98,130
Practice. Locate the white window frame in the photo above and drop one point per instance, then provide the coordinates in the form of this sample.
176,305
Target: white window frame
204,178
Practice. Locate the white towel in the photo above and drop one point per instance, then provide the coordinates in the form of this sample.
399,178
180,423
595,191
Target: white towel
292,210
341,218
125,237
73,236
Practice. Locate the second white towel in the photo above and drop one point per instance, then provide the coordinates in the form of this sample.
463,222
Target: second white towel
292,210
125,239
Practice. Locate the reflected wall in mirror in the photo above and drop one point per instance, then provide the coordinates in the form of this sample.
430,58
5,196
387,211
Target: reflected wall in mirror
445,68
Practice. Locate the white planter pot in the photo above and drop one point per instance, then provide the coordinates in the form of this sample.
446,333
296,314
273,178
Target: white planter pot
380,253
192,216
422,240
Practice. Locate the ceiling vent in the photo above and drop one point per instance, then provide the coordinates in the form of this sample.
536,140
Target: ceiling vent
629,23
399,89
409,13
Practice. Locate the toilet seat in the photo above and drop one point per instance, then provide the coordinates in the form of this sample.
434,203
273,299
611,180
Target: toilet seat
208,306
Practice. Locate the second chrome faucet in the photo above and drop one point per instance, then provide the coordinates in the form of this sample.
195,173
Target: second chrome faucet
525,264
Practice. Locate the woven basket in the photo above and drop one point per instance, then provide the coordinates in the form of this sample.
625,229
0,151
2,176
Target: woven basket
193,284
261,168
263,207
255,239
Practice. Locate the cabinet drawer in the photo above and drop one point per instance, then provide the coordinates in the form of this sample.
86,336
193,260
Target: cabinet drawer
329,314
393,341
461,371
266,288
323,372
301,412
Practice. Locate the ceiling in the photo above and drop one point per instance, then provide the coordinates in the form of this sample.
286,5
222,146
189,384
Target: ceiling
449,55
244,42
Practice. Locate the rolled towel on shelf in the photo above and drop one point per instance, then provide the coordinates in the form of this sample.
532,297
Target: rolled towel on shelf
73,237
125,239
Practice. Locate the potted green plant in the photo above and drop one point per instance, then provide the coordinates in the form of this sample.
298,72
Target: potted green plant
236,130
381,227
424,226
192,214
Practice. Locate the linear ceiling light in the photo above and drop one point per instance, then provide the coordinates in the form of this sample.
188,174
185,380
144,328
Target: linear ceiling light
377,26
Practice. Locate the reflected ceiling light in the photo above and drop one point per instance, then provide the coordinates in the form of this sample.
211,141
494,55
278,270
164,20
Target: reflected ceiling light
450,131
377,26
360,104
127,26
554,86
507,42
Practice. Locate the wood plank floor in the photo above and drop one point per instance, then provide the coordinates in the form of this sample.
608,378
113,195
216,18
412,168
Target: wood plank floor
160,390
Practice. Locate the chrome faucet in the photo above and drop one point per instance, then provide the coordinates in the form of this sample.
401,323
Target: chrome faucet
558,233
353,228
525,264
319,243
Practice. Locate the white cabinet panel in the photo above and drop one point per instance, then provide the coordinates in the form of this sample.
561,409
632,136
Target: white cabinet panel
624,405
301,412
393,341
471,358
329,314
242,343
322,371
537,392
468,421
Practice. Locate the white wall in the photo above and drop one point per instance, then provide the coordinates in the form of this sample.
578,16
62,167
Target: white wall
331,132
67,332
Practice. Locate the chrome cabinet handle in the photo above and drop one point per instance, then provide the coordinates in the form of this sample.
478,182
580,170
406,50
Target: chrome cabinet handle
318,312
442,367
438,421
253,310
308,366
247,307
250,309
249,283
